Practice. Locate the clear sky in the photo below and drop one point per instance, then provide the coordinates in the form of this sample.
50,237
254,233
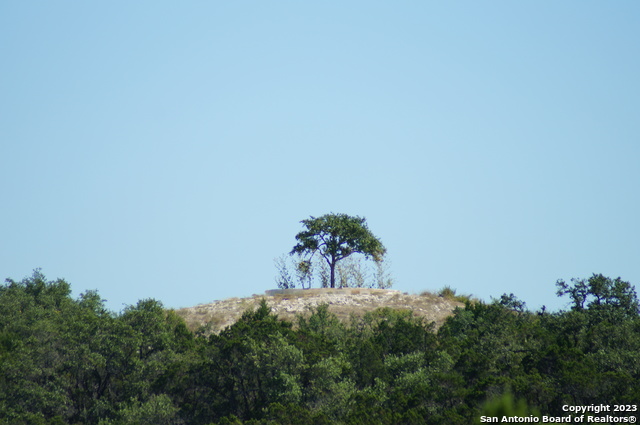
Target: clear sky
169,150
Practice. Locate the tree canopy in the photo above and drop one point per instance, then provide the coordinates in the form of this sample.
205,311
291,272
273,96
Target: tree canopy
335,237
66,361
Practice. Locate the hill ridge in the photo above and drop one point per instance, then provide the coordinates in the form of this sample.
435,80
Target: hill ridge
343,302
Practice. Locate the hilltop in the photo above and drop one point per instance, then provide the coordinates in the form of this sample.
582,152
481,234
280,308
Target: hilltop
343,302
70,361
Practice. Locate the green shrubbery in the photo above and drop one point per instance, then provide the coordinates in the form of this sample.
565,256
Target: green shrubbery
69,361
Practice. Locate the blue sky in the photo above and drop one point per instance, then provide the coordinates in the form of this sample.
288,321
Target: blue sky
169,150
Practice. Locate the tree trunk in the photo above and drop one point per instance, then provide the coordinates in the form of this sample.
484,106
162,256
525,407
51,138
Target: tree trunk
332,266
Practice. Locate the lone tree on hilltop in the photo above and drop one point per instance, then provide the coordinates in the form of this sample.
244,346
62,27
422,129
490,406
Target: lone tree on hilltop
335,237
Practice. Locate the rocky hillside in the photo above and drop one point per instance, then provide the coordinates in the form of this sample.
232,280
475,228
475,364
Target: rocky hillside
289,303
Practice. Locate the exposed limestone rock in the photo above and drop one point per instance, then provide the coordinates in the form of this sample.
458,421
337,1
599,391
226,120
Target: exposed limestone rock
289,303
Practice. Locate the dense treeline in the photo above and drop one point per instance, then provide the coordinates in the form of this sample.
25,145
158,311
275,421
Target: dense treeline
70,361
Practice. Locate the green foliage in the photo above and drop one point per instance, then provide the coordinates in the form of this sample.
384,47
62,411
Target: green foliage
449,293
158,410
71,361
506,406
321,335
336,237
512,302
66,361
601,294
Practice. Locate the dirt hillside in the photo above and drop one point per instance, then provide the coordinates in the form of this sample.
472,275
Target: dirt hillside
289,303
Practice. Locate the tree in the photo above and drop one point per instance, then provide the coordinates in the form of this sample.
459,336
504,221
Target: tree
335,237
601,293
